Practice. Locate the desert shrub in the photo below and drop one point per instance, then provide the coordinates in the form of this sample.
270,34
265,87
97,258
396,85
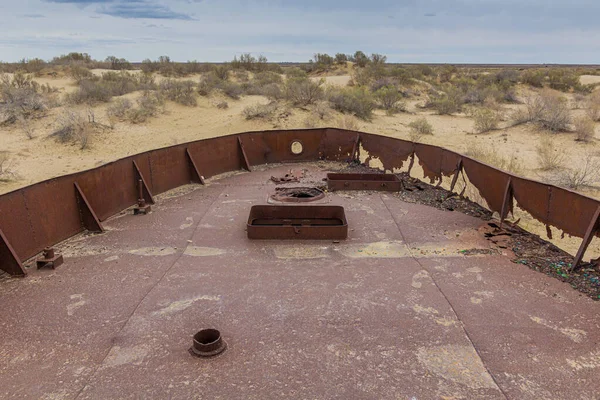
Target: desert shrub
260,111
241,76
208,83
321,62
79,73
562,79
341,58
593,106
485,120
295,72
118,64
390,99
584,128
490,156
586,174
26,127
148,105
446,103
250,63
118,110
579,101
533,77
181,92
347,122
303,91
231,89
272,91
221,72
20,97
548,111
6,172
356,101
548,155
267,78
360,59
222,105
110,84
421,126
71,126
418,129
322,110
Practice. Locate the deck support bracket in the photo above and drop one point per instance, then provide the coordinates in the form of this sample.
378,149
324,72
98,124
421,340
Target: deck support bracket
89,219
587,238
195,172
9,261
244,157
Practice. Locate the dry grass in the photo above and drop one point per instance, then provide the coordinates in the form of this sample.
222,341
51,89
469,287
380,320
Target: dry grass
593,106
73,127
347,122
419,128
6,172
584,128
486,120
588,174
492,157
260,111
549,156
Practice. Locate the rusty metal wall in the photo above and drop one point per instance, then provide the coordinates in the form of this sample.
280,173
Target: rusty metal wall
45,213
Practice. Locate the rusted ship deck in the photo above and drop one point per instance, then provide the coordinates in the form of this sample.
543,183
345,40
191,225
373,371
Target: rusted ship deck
395,311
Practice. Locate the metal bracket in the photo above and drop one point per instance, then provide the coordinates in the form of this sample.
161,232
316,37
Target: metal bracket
195,170
459,167
146,191
245,158
89,219
589,234
508,193
354,155
9,261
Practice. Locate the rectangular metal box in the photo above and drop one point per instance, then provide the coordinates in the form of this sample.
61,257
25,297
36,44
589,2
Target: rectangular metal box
297,222
382,182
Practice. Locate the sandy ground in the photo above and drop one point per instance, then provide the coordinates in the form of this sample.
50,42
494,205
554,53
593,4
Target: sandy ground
589,79
43,157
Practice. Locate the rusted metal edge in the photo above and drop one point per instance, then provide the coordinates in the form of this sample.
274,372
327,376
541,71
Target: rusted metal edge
507,202
9,261
354,155
147,194
589,234
456,174
244,157
195,171
89,219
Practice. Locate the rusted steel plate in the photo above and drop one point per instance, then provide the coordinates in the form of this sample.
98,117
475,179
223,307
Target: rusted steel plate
15,222
337,144
217,155
571,212
430,159
170,169
380,182
490,182
110,188
54,214
392,153
533,197
297,222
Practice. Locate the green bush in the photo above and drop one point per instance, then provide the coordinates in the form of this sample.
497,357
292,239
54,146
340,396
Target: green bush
355,101
486,120
303,91
390,99
181,92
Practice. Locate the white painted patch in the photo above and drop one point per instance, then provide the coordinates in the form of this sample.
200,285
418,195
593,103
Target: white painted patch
112,258
128,355
576,335
301,252
181,305
154,251
196,251
189,222
459,364
590,361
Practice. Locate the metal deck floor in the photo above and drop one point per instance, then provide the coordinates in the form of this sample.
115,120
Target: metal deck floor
393,312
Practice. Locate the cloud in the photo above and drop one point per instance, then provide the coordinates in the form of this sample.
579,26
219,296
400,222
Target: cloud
34,16
142,10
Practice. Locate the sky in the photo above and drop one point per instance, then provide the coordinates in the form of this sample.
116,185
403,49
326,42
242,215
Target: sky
410,31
